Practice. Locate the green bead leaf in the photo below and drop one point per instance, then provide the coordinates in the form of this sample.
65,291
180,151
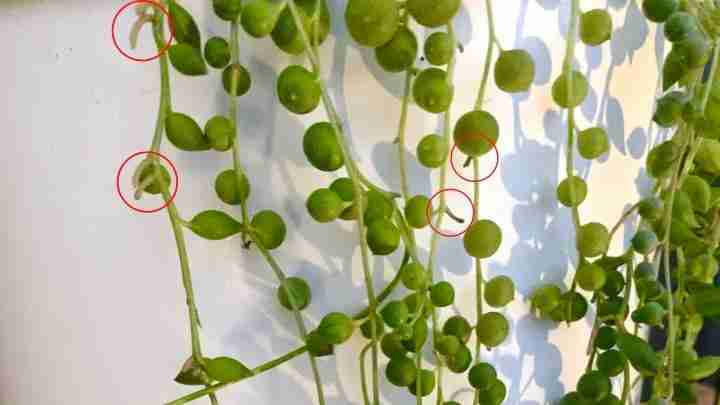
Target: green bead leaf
185,29
187,60
191,374
226,369
214,225
674,69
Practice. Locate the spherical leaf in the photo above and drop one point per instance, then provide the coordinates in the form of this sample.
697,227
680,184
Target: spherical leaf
220,132
432,150
372,23
593,239
298,89
514,71
383,237
269,228
561,95
476,132
399,53
236,80
229,189
299,290
439,48
482,239
217,52
324,205
499,291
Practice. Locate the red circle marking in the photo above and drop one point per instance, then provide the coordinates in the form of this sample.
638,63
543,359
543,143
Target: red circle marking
154,4
125,162
428,212
497,160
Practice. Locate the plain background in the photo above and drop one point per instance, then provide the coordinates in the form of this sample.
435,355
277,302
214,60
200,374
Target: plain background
91,306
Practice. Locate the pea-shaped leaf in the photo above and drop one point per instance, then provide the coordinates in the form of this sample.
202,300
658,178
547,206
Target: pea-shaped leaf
183,132
185,29
214,225
187,59
701,368
226,369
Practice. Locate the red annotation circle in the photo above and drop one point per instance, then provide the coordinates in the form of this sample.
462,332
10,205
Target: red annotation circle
125,200
428,212
472,180
136,2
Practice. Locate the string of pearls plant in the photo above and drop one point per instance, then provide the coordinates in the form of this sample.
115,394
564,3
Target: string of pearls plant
681,219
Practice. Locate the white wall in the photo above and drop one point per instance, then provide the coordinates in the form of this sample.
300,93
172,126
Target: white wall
91,306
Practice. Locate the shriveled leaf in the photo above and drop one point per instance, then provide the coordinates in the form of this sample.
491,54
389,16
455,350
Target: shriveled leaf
191,374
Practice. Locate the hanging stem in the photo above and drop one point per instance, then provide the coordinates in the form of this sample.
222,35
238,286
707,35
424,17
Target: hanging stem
279,274
492,40
401,136
352,173
478,274
175,221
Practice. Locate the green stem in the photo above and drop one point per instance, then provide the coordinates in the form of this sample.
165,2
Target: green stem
492,40
165,102
163,110
709,84
363,382
387,290
622,219
442,203
401,136
352,173
257,370
279,274
478,274
232,112
626,385
567,69
670,345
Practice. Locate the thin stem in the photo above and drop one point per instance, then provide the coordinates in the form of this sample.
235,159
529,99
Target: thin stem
478,275
670,346
442,203
401,136
165,98
622,219
626,384
567,69
363,382
352,173
237,168
232,112
280,275
256,371
708,85
488,55
387,290
175,220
